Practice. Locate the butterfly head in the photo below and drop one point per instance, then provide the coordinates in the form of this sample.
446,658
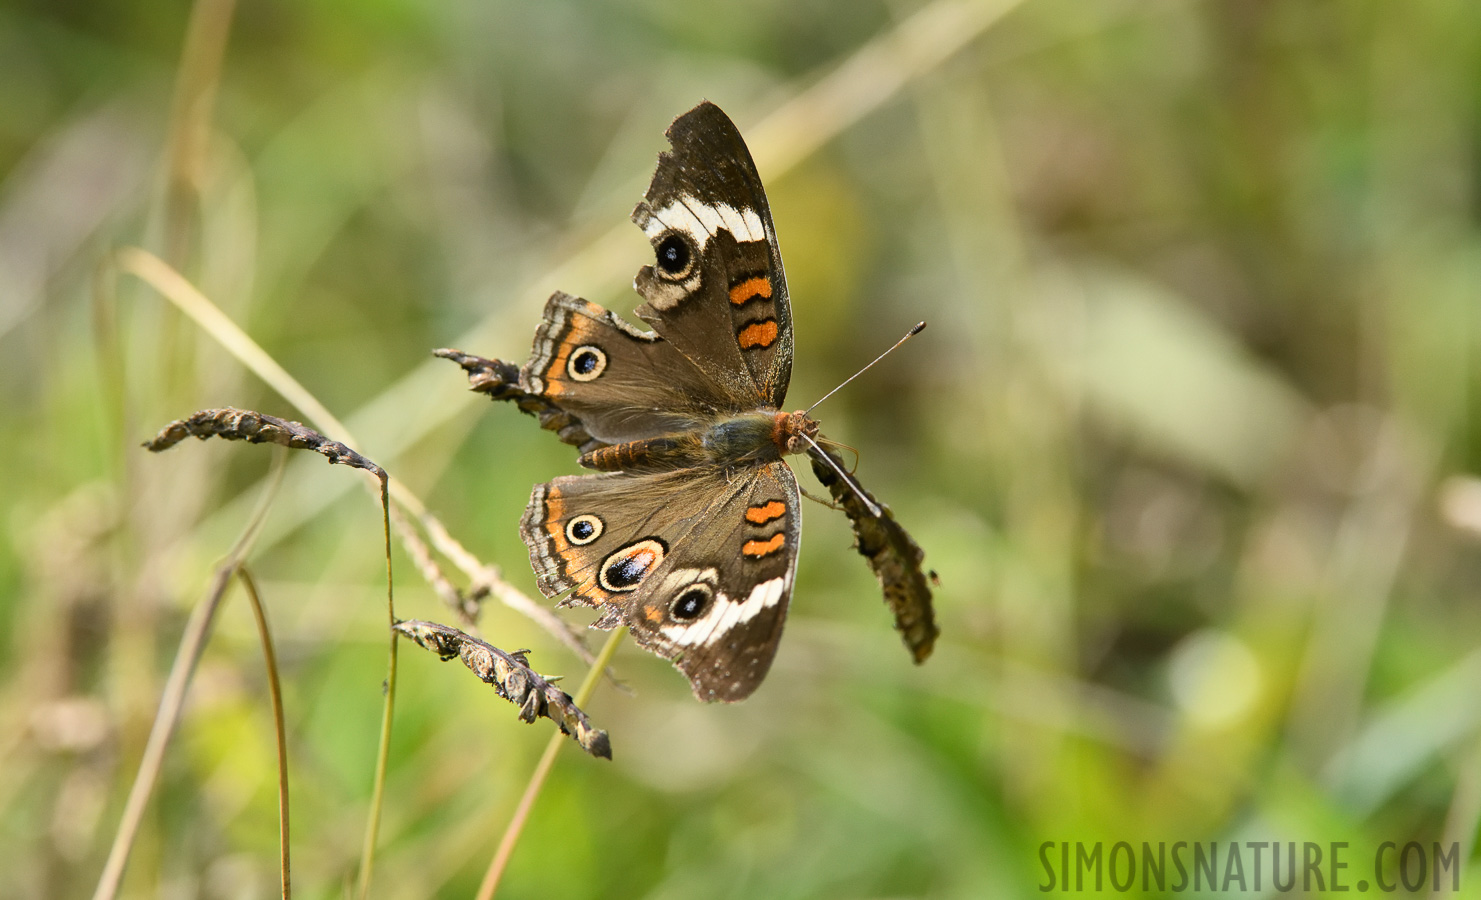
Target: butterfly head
790,431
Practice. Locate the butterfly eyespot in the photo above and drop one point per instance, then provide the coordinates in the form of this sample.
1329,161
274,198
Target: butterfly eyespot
692,603
586,363
675,256
583,530
625,569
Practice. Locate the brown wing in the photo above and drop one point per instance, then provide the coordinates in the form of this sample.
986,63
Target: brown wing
620,383
717,290
698,563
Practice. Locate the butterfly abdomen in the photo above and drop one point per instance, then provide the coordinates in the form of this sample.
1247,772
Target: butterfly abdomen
659,454
752,438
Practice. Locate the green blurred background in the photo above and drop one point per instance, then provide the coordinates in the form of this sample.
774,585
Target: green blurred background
1190,439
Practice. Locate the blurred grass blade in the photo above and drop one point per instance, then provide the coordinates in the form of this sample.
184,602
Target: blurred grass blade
197,81
174,287
868,78
1153,364
1406,734
70,184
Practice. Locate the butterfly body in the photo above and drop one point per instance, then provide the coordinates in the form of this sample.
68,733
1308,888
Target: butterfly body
688,532
745,439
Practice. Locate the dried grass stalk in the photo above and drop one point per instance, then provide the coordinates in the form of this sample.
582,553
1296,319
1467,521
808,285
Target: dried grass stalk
465,607
895,558
512,677
257,428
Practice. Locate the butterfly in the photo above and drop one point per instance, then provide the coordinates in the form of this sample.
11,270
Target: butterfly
688,533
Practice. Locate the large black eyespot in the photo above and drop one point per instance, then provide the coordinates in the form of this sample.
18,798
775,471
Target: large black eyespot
625,569
674,255
625,573
692,603
583,529
586,363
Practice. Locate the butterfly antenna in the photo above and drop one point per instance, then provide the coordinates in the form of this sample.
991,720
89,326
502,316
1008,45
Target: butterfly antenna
908,335
874,509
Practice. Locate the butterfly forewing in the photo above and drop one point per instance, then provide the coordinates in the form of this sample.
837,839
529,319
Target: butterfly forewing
617,380
716,289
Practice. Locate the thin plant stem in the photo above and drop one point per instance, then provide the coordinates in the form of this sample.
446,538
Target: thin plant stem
275,693
172,702
383,752
496,868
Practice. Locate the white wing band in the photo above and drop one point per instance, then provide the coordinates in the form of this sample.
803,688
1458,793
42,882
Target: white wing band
725,614
700,221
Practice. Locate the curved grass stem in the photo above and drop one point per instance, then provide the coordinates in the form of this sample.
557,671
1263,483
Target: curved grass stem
275,693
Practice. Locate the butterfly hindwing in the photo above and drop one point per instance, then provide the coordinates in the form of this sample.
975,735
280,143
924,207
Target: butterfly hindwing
698,563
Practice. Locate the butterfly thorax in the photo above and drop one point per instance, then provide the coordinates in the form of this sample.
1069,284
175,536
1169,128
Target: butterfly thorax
751,438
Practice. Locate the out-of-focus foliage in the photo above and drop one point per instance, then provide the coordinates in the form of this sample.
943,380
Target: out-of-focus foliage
1191,439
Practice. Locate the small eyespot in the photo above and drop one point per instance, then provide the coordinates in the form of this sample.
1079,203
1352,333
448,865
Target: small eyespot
625,569
692,603
583,530
586,363
675,258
